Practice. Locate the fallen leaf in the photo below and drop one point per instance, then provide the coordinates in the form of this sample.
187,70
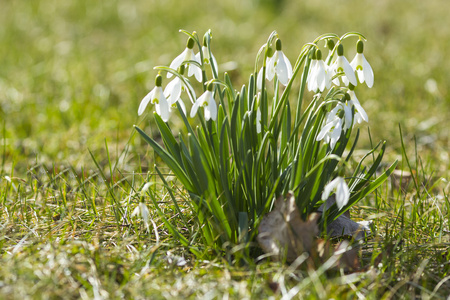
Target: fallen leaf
349,259
283,233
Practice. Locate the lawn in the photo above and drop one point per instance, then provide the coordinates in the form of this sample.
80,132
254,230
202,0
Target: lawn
71,79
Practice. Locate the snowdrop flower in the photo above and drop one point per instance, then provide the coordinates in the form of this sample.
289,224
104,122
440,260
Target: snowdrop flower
319,77
279,64
156,97
143,211
173,92
206,57
341,65
339,186
259,79
361,66
360,113
258,120
338,120
186,55
207,102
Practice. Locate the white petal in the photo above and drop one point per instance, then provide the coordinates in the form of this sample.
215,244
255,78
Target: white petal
135,211
258,121
368,73
342,193
270,67
259,79
348,117
361,112
173,91
189,54
145,102
197,56
194,69
212,108
311,76
326,129
199,103
281,71
194,108
349,72
336,133
177,62
283,68
163,107
329,188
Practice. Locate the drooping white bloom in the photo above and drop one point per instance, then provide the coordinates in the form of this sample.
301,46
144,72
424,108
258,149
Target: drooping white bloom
156,97
279,64
207,58
339,186
259,78
173,92
362,66
318,77
338,120
186,55
341,65
206,100
258,120
143,211
360,113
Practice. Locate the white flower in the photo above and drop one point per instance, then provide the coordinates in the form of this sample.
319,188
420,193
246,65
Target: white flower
318,77
360,113
341,65
142,210
259,79
207,102
338,120
331,132
186,55
207,58
156,97
279,64
362,66
258,120
173,93
339,186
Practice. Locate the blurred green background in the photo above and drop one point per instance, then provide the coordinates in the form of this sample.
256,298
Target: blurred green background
72,73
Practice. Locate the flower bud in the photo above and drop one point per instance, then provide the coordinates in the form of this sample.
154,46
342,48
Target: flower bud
340,50
278,45
318,54
158,80
347,97
359,46
269,52
351,87
190,43
330,44
181,69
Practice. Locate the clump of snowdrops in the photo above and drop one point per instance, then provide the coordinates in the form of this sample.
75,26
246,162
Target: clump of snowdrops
242,148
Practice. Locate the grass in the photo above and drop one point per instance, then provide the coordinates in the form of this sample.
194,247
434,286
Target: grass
71,79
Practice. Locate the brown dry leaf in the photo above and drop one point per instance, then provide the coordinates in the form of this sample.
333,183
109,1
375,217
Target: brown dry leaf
349,259
283,232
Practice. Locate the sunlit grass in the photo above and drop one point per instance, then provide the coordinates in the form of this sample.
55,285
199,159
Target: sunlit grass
72,75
